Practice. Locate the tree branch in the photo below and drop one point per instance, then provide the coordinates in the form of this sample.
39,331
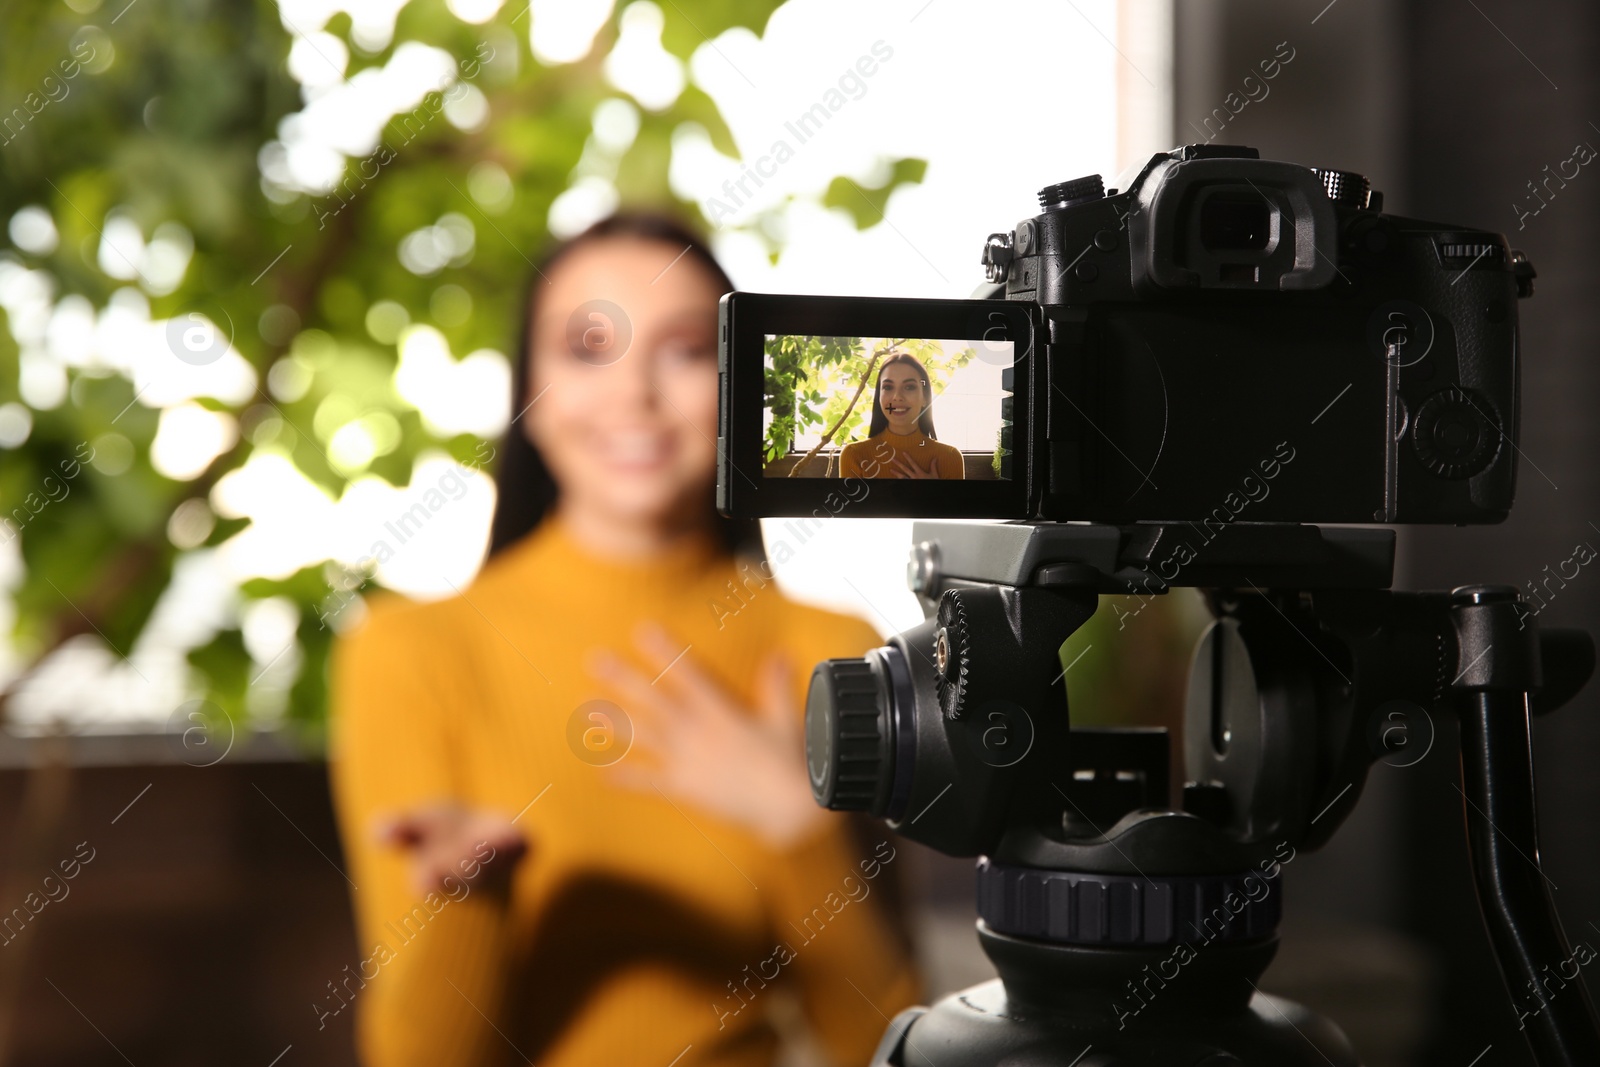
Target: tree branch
861,385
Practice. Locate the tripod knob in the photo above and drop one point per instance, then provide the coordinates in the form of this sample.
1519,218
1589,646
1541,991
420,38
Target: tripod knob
1091,908
847,744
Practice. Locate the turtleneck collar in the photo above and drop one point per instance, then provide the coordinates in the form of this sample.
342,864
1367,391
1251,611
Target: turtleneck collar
554,551
904,440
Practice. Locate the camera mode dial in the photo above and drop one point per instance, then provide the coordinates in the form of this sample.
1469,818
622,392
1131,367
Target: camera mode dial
1078,190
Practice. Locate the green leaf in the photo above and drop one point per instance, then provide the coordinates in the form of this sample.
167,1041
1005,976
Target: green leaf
688,26
693,105
866,204
225,665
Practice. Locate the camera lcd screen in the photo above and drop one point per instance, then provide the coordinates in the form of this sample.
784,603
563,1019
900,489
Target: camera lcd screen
886,407
871,407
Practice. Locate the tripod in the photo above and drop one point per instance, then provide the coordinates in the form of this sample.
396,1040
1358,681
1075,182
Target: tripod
1131,931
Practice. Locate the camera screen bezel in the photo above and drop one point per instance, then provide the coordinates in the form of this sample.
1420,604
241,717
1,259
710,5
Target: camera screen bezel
744,322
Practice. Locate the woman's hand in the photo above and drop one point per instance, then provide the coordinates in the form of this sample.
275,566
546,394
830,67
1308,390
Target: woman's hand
446,839
696,744
906,467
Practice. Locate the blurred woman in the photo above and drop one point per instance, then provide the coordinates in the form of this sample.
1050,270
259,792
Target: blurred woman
900,440
574,796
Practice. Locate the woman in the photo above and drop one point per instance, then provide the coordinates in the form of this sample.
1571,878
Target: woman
574,797
900,439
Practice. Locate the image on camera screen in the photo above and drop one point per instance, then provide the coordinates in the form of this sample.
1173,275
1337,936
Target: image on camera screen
885,407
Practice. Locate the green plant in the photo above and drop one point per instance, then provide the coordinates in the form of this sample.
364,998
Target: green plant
167,125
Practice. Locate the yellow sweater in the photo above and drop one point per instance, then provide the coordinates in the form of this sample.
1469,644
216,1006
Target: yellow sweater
639,930
874,457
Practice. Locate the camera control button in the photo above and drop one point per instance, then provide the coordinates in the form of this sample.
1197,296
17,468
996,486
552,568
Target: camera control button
1025,245
1344,186
1455,433
1076,191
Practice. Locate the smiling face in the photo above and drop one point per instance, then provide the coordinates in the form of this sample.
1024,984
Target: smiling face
903,396
627,432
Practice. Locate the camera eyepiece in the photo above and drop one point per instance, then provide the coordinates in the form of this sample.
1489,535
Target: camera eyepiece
1235,223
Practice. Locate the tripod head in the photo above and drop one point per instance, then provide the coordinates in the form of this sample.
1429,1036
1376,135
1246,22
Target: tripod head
1133,918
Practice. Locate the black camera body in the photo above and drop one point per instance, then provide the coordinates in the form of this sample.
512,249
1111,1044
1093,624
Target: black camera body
1247,339
1229,339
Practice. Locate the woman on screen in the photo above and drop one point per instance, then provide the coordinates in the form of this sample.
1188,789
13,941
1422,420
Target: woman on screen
900,439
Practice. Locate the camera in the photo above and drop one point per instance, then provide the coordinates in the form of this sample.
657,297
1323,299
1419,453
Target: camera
1171,385
1228,339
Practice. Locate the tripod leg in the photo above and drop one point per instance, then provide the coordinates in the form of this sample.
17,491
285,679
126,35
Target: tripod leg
1502,836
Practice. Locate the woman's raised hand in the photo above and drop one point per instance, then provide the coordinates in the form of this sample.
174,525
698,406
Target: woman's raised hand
906,467
693,742
447,839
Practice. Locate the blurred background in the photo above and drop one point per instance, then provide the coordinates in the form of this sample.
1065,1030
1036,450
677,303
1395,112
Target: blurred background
258,275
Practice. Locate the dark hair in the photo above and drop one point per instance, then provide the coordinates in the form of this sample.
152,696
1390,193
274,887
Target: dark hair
880,421
525,490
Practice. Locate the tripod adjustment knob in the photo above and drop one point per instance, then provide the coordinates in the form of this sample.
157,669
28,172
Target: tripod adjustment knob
847,744
1090,908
